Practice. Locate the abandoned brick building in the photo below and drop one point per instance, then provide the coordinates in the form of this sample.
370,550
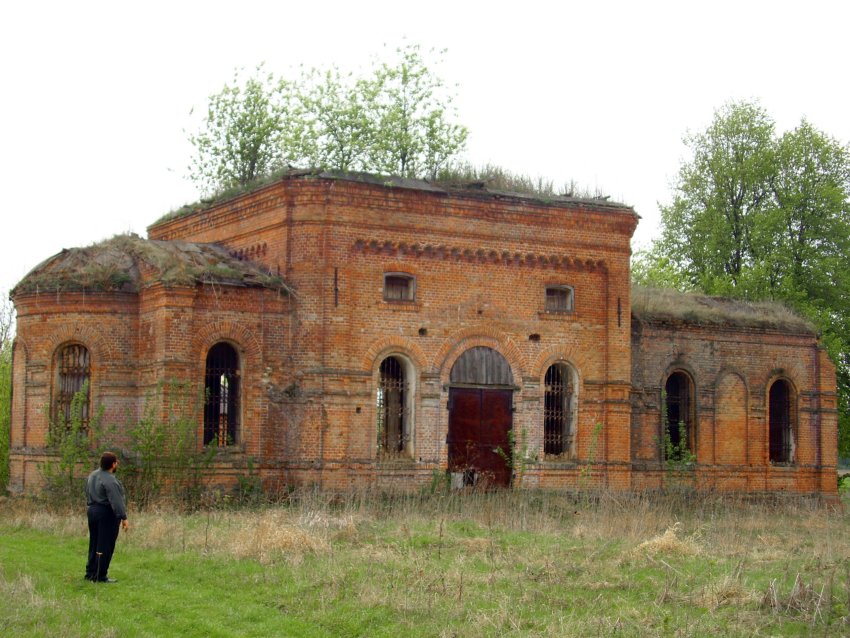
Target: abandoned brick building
348,330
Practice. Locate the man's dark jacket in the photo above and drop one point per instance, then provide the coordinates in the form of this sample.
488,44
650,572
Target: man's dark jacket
102,488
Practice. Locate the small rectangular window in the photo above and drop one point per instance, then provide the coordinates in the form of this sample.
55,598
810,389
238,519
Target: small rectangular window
399,287
559,299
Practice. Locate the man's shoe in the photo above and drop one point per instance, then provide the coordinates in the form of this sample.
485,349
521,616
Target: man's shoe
106,580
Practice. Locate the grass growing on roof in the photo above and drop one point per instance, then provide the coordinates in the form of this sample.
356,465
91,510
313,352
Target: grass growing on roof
127,263
665,304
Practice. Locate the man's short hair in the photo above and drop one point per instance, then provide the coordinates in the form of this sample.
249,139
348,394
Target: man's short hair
107,460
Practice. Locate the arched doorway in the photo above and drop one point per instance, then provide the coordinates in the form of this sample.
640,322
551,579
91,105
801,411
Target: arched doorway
481,417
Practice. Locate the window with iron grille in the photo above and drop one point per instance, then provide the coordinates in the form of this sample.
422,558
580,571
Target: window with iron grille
679,404
399,287
221,406
781,434
391,408
559,299
73,371
558,410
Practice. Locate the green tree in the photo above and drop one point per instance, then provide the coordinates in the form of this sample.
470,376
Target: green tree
411,114
329,125
396,120
242,137
720,194
6,331
764,217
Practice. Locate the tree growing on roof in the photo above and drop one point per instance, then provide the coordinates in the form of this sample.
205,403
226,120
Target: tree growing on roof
242,136
397,120
760,216
411,114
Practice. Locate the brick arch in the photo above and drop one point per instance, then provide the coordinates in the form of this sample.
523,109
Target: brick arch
725,371
217,331
402,267
575,358
731,417
91,338
461,341
20,342
393,343
791,371
680,365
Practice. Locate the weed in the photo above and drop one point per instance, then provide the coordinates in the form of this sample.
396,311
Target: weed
71,442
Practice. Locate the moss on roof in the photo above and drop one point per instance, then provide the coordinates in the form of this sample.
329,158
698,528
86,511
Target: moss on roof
128,263
475,189
656,304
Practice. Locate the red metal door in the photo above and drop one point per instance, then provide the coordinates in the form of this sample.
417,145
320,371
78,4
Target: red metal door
479,434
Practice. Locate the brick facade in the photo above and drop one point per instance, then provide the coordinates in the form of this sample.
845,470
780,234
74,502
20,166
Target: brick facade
481,263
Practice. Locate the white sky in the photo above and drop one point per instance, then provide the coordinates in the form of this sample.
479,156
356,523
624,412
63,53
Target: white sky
96,96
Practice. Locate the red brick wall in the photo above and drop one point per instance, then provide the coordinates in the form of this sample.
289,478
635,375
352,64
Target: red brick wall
310,363
481,266
135,343
733,369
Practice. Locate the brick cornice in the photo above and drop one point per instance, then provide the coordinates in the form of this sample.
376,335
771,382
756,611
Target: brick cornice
478,255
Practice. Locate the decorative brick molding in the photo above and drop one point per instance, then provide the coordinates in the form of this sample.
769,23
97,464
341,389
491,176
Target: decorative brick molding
20,345
217,331
393,344
478,255
724,372
576,358
463,340
250,253
87,335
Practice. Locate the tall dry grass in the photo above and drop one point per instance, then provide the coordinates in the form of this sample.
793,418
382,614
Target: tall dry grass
309,521
528,563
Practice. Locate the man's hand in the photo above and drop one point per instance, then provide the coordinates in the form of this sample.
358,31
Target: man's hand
125,525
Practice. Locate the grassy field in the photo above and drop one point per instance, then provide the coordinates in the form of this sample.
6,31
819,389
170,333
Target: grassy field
500,564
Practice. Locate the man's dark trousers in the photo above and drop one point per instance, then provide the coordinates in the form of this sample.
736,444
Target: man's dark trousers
103,532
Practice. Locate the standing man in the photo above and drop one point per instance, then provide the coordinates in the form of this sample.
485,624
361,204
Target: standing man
107,510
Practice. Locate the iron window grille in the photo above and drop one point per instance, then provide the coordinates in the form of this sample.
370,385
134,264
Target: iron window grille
780,424
221,406
557,410
73,374
391,410
679,405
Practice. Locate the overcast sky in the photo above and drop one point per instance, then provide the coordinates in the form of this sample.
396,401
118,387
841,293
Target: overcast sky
96,96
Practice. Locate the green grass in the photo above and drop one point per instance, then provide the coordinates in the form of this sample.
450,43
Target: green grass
505,564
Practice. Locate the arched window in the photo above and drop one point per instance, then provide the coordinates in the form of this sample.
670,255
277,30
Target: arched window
73,374
559,410
221,407
394,407
781,422
681,416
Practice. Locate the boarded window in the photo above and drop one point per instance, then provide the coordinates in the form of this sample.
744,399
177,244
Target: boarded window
399,287
481,366
559,299
558,410
221,407
73,370
781,442
679,404
391,408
